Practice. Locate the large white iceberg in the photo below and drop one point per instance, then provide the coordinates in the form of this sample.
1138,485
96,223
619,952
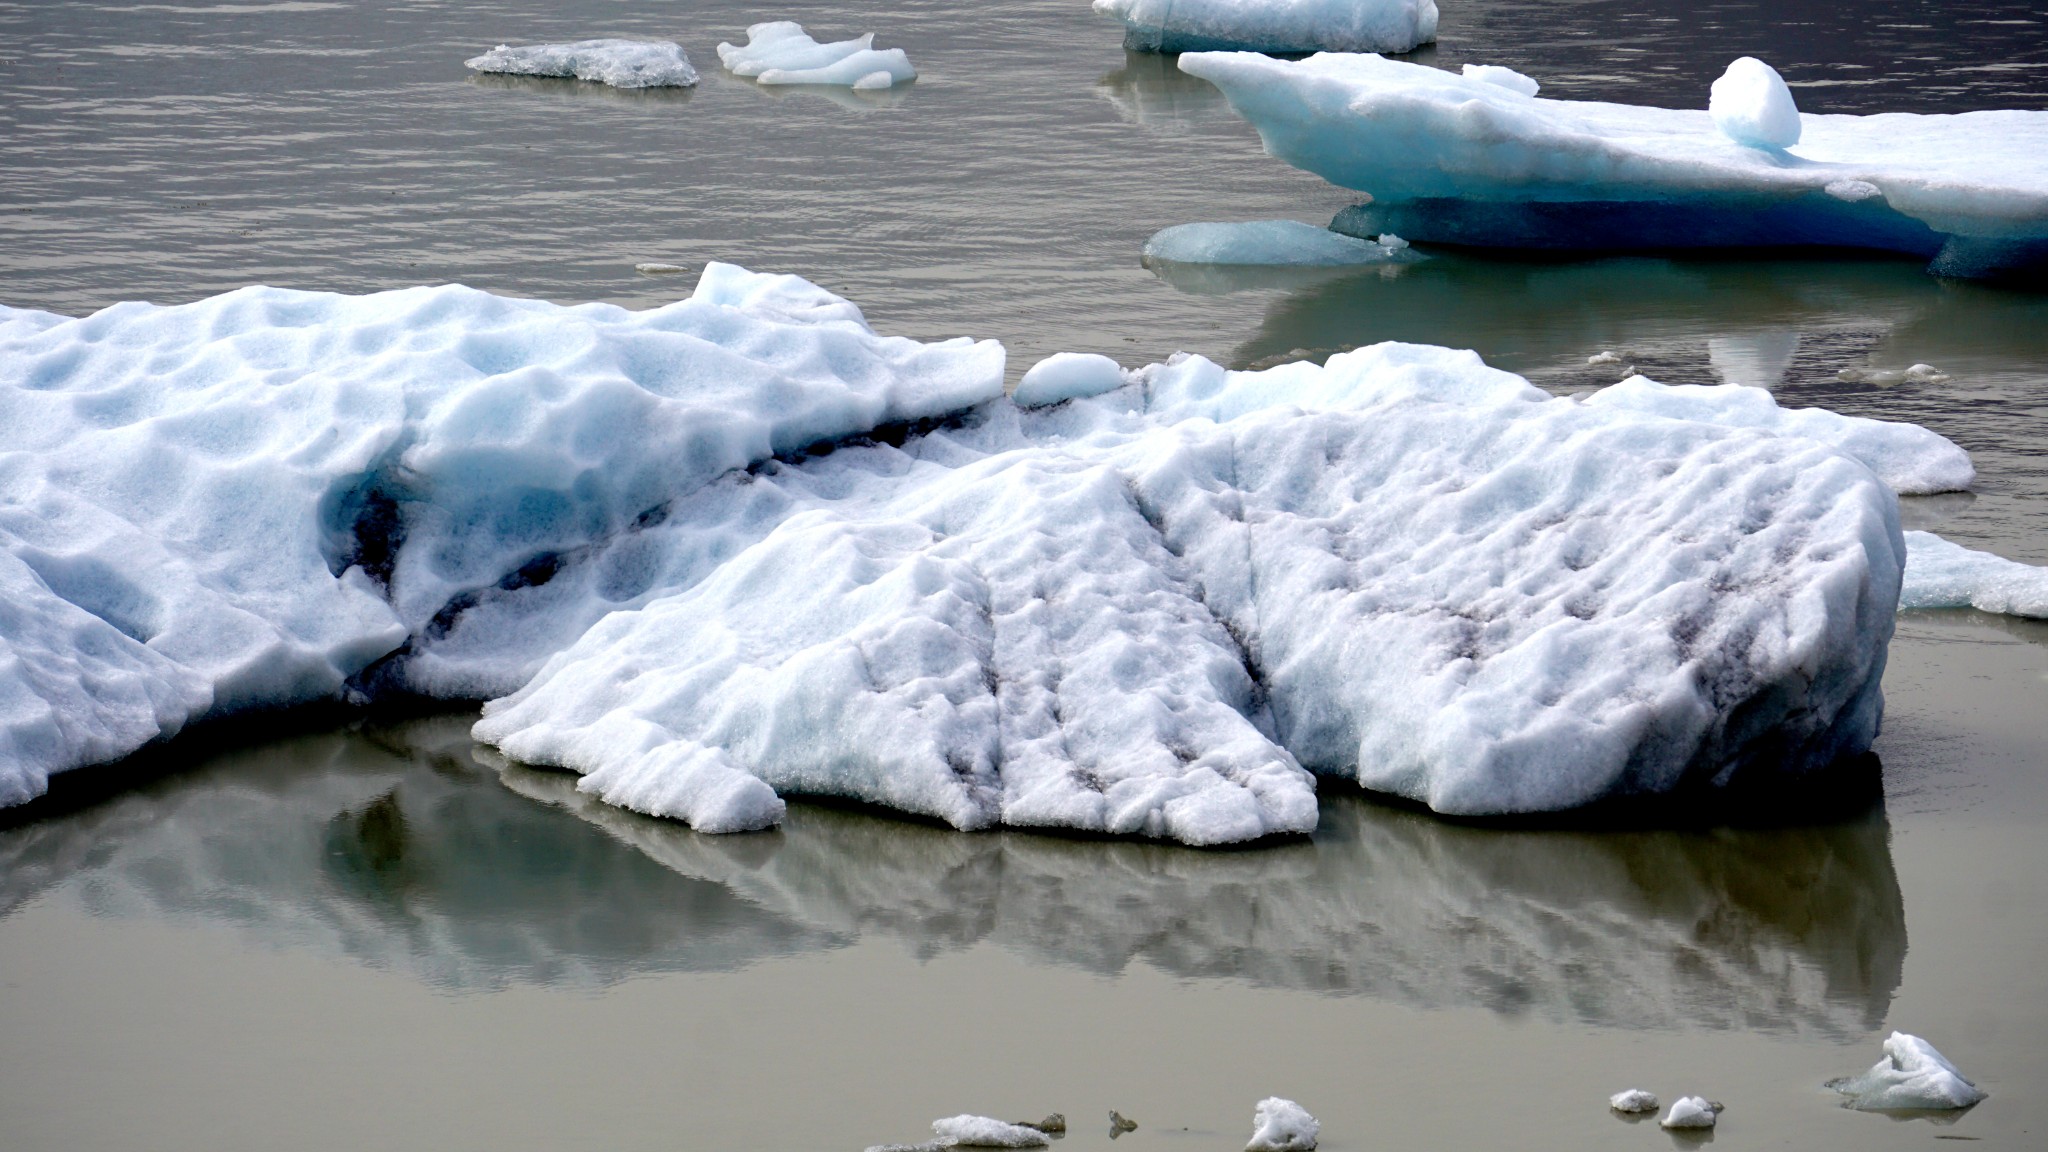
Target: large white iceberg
1943,574
1911,1077
1271,242
781,52
1273,25
619,63
1455,159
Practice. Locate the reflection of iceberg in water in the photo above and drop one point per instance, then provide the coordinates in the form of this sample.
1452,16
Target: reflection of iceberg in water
1759,359
1150,90
395,848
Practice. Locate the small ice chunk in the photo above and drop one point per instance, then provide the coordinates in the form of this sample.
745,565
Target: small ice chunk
619,63
1691,1112
1943,574
1506,78
1273,25
656,268
1751,105
1853,191
1608,357
968,1131
1288,243
1282,1126
1120,1124
1912,1075
1065,376
1917,374
781,52
1632,1101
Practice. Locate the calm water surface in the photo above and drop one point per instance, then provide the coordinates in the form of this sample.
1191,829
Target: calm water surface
365,937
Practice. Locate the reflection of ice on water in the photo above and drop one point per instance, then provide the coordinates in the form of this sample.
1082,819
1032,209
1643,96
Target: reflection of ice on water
1151,90
1759,359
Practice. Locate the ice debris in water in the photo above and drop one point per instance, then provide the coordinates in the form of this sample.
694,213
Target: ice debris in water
1282,1126
1691,1112
1633,1101
1455,158
1911,1076
1055,1123
1273,25
1751,105
1506,78
656,268
1917,374
619,63
1067,376
1943,574
966,1131
781,52
1607,357
1269,242
1120,1124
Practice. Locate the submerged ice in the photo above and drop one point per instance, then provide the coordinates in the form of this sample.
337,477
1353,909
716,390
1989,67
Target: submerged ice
1272,242
781,52
667,549
1462,159
1273,25
619,63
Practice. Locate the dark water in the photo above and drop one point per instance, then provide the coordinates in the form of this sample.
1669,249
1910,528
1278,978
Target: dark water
367,938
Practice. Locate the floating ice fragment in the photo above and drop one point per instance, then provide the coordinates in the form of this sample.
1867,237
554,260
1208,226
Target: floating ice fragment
1119,1124
1269,242
1392,242
655,268
1917,374
1911,1076
1608,357
967,1131
619,63
1506,78
1273,25
1450,158
781,52
1065,376
1633,1101
1943,574
1691,1112
1282,1126
1751,105
1055,1123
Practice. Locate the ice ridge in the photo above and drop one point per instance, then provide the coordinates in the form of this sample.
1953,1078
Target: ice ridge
1458,159
619,63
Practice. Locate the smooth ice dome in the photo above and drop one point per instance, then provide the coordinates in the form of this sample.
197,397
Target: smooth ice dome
1270,242
1751,105
781,52
1506,78
1065,376
1455,159
1691,1112
1282,1126
1944,574
966,1131
619,63
1273,25
1633,1101
1912,1075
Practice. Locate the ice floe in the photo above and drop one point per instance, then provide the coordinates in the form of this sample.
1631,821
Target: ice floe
781,52
1282,1126
1273,25
1691,1112
1454,158
619,63
1912,1076
1272,242
1633,1101
1943,574
968,1131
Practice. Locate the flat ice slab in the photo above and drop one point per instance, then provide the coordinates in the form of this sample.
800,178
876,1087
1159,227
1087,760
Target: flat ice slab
1273,25
1280,1125
1943,574
1633,1101
619,63
967,1131
1455,159
781,52
1911,1077
1271,242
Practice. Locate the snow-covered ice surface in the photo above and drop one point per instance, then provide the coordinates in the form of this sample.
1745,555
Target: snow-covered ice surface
1943,574
619,63
248,501
1273,25
1274,242
1507,78
1751,105
1633,1100
1068,376
1912,1076
1691,1112
1282,1126
781,52
1453,158
968,1131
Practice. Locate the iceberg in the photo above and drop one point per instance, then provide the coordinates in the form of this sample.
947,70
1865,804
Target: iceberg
781,52
619,63
1911,1077
1943,574
1272,242
1282,1126
1273,25
1456,159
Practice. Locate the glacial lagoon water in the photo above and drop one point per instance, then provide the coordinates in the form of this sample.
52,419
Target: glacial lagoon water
366,936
